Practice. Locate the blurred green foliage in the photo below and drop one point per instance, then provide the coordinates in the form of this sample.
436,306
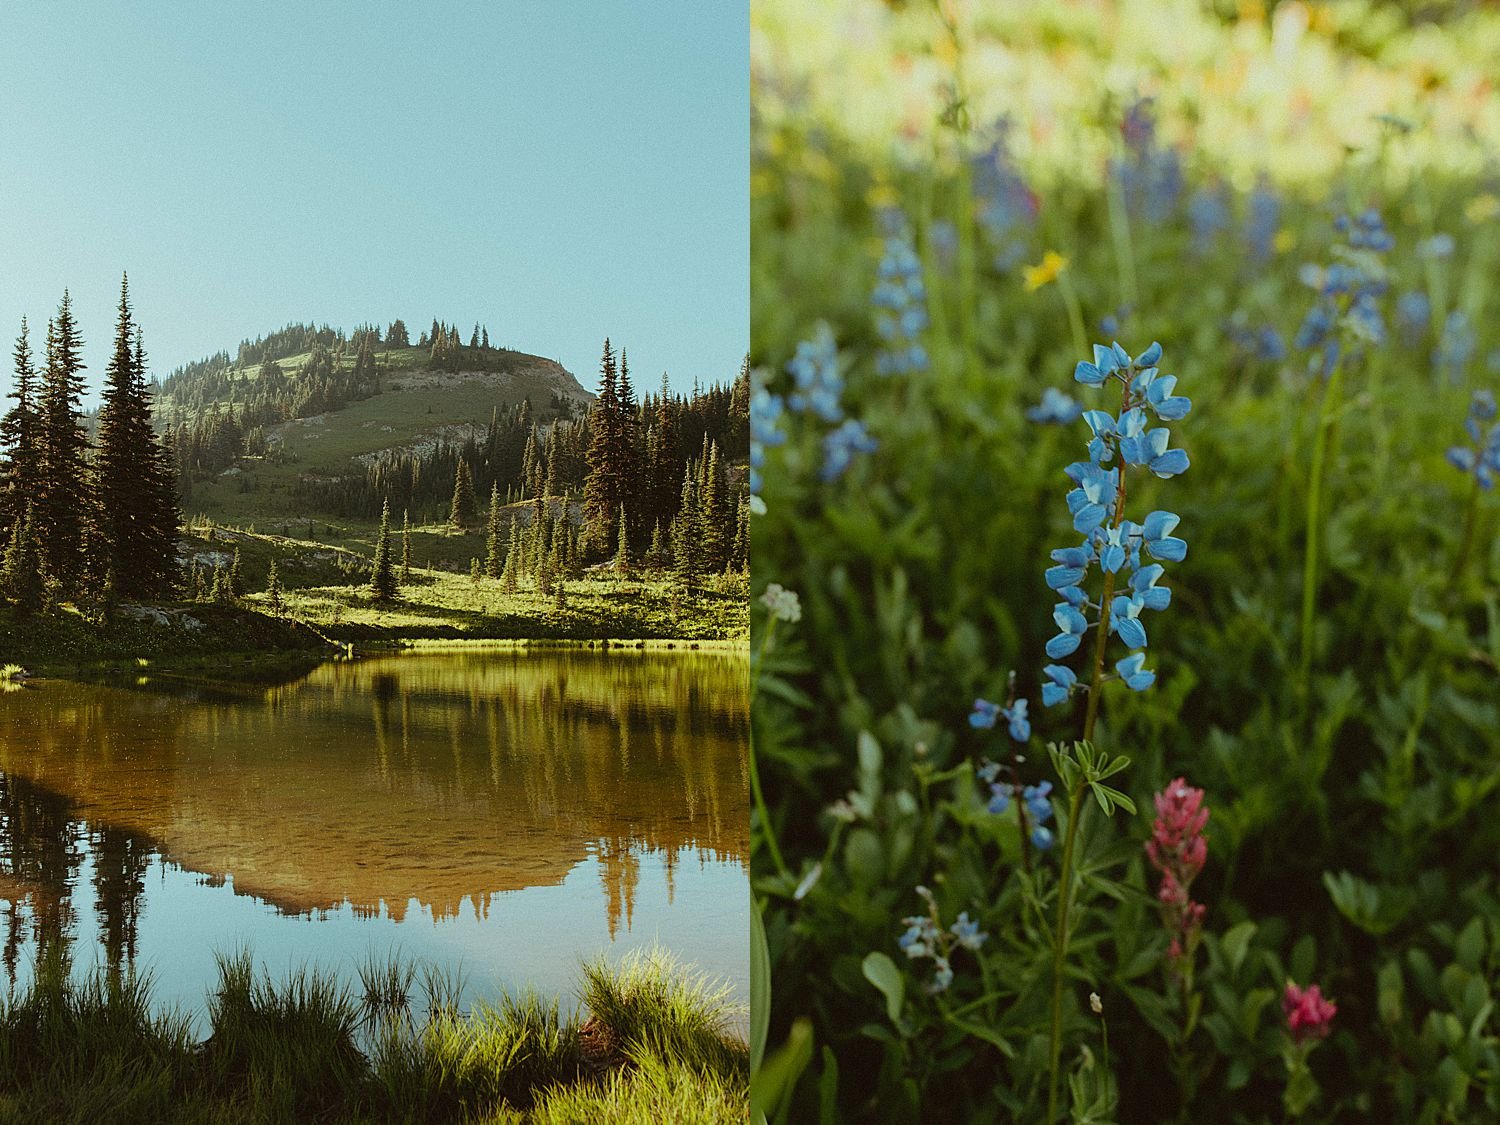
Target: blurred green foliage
1353,835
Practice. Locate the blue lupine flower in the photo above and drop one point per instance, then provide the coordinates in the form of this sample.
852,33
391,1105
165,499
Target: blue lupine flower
1060,682
1149,175
988,771
968,933
765,429
1481,458
1348,305
1056,408
1017,722
1263,220
984,714
1208,211
1132,670
999,799
1456,347
1007,208
1263,344
1113,324
1073,625
942,976
900,299
1438,246
944,237
840,446
1038,801
1124,620
1413,313
815,370
1112,542
1041,838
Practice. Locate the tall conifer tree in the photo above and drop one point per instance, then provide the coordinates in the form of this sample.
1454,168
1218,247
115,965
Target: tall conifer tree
463,512
135,533
383,574
60,486
18,437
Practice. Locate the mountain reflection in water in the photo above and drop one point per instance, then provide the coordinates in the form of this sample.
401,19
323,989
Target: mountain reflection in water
439,786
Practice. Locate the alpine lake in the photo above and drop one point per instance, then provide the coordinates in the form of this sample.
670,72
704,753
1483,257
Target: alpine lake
498,814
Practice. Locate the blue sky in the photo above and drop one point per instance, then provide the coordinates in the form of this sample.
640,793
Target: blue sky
561,172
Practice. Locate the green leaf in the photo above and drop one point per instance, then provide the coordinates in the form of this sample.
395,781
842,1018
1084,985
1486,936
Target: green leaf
1236,943
1116,797
979,1031
760,988
1468,950
881,971
828,1089
771,1088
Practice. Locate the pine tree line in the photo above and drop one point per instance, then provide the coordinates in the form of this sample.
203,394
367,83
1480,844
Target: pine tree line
85,522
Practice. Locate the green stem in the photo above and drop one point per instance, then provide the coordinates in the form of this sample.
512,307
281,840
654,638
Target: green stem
1075,313
1326,415
767,833
1060,945
1119,229
761,810
1466,544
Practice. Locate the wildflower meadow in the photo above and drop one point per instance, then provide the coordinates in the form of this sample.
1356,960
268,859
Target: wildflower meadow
1126,635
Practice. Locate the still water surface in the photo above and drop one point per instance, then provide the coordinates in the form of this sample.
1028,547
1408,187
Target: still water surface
499,813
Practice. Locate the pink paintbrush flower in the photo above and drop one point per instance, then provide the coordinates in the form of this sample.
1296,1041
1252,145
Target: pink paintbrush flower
1308,1015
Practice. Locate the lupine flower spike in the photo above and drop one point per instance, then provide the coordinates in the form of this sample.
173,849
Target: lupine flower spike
900,301
1481,457
1112,543
925,938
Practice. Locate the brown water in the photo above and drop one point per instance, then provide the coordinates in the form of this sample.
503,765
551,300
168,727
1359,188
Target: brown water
503,813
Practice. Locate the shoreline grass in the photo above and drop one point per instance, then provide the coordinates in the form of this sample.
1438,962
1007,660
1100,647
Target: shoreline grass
656,1046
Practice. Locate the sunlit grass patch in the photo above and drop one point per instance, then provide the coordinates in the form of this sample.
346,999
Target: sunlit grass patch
311,1048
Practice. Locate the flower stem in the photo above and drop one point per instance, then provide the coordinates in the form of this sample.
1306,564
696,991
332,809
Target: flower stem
1060,945
1119,229
1101,635
1075,313
1466,544
1315,524
761,811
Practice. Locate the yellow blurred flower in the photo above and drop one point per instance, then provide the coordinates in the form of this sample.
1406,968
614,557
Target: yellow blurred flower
1284,241
881,196
1482,208
1044,272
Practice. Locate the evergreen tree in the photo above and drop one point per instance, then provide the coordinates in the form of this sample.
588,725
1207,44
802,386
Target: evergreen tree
718,526
60,492
405,549
235,580
687,536
494,561
484,339
382,576
508,575
604,487
273,590
397,336
18,436
739,557
560,602
134,533
622,553
22,573
463,513
656,553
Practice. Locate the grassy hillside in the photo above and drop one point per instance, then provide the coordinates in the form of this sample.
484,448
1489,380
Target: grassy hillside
416,408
